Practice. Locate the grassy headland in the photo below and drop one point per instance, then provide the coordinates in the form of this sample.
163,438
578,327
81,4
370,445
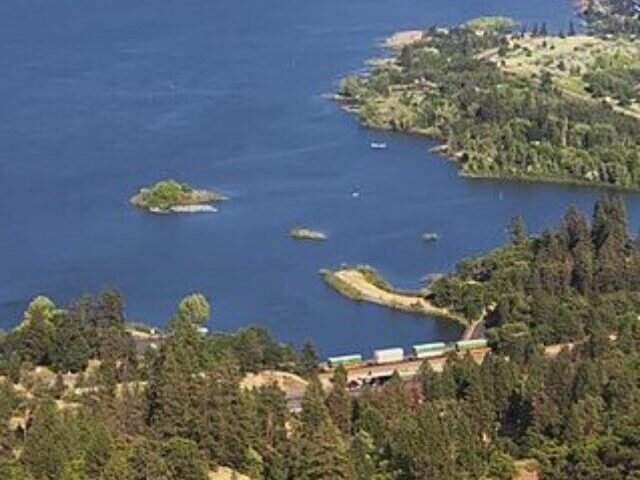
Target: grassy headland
581,67
525,105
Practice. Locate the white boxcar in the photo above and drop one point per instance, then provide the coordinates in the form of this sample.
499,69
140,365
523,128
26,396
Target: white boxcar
388,355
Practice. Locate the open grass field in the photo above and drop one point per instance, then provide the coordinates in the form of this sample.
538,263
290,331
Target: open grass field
569,59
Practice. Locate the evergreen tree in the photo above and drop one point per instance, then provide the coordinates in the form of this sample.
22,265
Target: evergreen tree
13,470
322,452
366,458
128,410
610,236
146,461
119,466
225,418
543,29
396,401
339,401
430,382
314,409
324,455
183,459
47,445
517,231
272,416
171,391
308,358
34,339
575,227
110,309
8,403
174,380
71,351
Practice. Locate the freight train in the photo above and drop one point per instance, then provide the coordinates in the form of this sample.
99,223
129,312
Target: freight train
397,355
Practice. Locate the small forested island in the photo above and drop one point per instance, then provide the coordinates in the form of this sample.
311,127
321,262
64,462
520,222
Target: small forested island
514,103
170,196
300,233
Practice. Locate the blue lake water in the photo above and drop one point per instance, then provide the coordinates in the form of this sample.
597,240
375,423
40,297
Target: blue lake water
102,97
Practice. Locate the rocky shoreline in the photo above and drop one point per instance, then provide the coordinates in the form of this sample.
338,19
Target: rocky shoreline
197,208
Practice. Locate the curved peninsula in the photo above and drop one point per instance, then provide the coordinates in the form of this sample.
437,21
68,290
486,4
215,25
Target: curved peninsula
170,196
364,284
511,103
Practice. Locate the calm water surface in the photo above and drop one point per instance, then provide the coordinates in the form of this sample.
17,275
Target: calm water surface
101,97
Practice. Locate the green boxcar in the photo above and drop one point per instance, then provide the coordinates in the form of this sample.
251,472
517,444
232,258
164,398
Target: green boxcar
344,360
471,344
425,350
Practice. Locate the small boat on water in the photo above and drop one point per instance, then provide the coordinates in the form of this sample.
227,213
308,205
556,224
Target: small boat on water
430,237
378,145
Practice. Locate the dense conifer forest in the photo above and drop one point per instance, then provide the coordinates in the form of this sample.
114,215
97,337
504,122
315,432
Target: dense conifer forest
556,286
129,404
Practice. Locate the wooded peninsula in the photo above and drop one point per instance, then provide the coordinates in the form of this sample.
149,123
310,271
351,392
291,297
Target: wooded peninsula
508,102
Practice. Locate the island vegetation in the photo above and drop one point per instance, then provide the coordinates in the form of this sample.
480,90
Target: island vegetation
512,103
171,196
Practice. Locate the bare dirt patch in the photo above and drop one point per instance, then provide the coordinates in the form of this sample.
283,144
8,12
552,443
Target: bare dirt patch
400,39
226,473
289,383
